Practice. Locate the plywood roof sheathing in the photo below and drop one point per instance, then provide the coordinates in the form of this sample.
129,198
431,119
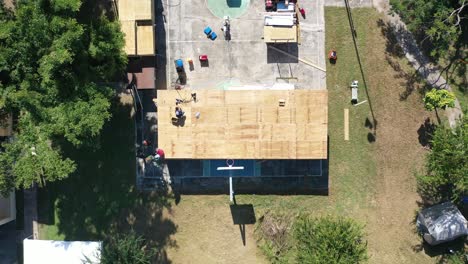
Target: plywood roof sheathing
244,124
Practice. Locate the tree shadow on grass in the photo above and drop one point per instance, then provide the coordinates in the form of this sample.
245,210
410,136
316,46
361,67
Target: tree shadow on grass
393,53
372,126
392,47
425,133
100,197
444,251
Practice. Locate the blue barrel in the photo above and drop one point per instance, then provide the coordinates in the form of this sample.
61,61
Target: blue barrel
179,63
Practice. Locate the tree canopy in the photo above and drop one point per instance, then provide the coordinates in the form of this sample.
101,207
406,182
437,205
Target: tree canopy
51,62
445,177
442,22
439,98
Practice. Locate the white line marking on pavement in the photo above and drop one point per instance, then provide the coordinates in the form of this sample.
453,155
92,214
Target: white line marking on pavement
205,41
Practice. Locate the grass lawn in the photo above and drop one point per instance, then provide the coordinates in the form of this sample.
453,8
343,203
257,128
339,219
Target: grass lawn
371,175
100,197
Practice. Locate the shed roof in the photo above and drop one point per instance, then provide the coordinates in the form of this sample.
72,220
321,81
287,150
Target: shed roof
131,10
278,34
244,124
442,222
139,37
55,252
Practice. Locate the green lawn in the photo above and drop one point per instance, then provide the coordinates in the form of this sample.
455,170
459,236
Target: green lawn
100,198
83,205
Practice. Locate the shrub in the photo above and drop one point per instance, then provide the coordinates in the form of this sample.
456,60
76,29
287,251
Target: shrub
273,233
126,249
446,165
329,240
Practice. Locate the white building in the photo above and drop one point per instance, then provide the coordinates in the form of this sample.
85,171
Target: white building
58,252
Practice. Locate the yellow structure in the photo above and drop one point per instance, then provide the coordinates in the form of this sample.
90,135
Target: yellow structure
274,34
243,124
135,17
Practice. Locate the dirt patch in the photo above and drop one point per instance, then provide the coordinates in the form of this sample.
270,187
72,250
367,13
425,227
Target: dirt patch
399,154
206,233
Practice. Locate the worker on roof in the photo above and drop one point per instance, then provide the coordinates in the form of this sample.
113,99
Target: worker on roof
178,112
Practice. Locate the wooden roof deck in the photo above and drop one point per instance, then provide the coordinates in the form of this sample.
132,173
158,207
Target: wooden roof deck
244,124
138,38
272,34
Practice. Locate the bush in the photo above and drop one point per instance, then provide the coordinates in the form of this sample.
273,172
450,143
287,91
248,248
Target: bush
274,237
126,249
439,99
329,240
311,240
446,165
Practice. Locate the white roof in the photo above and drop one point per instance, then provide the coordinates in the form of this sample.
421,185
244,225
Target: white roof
279,20
55,252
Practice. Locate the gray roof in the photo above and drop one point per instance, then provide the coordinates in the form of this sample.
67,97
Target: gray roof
442,223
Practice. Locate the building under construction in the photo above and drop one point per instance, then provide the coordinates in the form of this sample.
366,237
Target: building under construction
249,116
276,140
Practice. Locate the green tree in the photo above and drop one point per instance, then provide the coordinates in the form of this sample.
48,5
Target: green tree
446,172
51,62
441,28
442,22
329,240
439,99
436,98
126,249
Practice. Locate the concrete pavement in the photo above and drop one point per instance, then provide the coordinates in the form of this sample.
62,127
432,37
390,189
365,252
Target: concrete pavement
245,60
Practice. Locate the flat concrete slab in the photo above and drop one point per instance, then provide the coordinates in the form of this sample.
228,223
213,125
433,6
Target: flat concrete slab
245,60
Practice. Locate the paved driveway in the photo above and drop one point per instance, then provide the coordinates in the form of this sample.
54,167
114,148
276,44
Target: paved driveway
245,60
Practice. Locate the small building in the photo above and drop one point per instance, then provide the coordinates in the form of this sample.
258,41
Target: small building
282,26
136,18
442,223
58,252
137,21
